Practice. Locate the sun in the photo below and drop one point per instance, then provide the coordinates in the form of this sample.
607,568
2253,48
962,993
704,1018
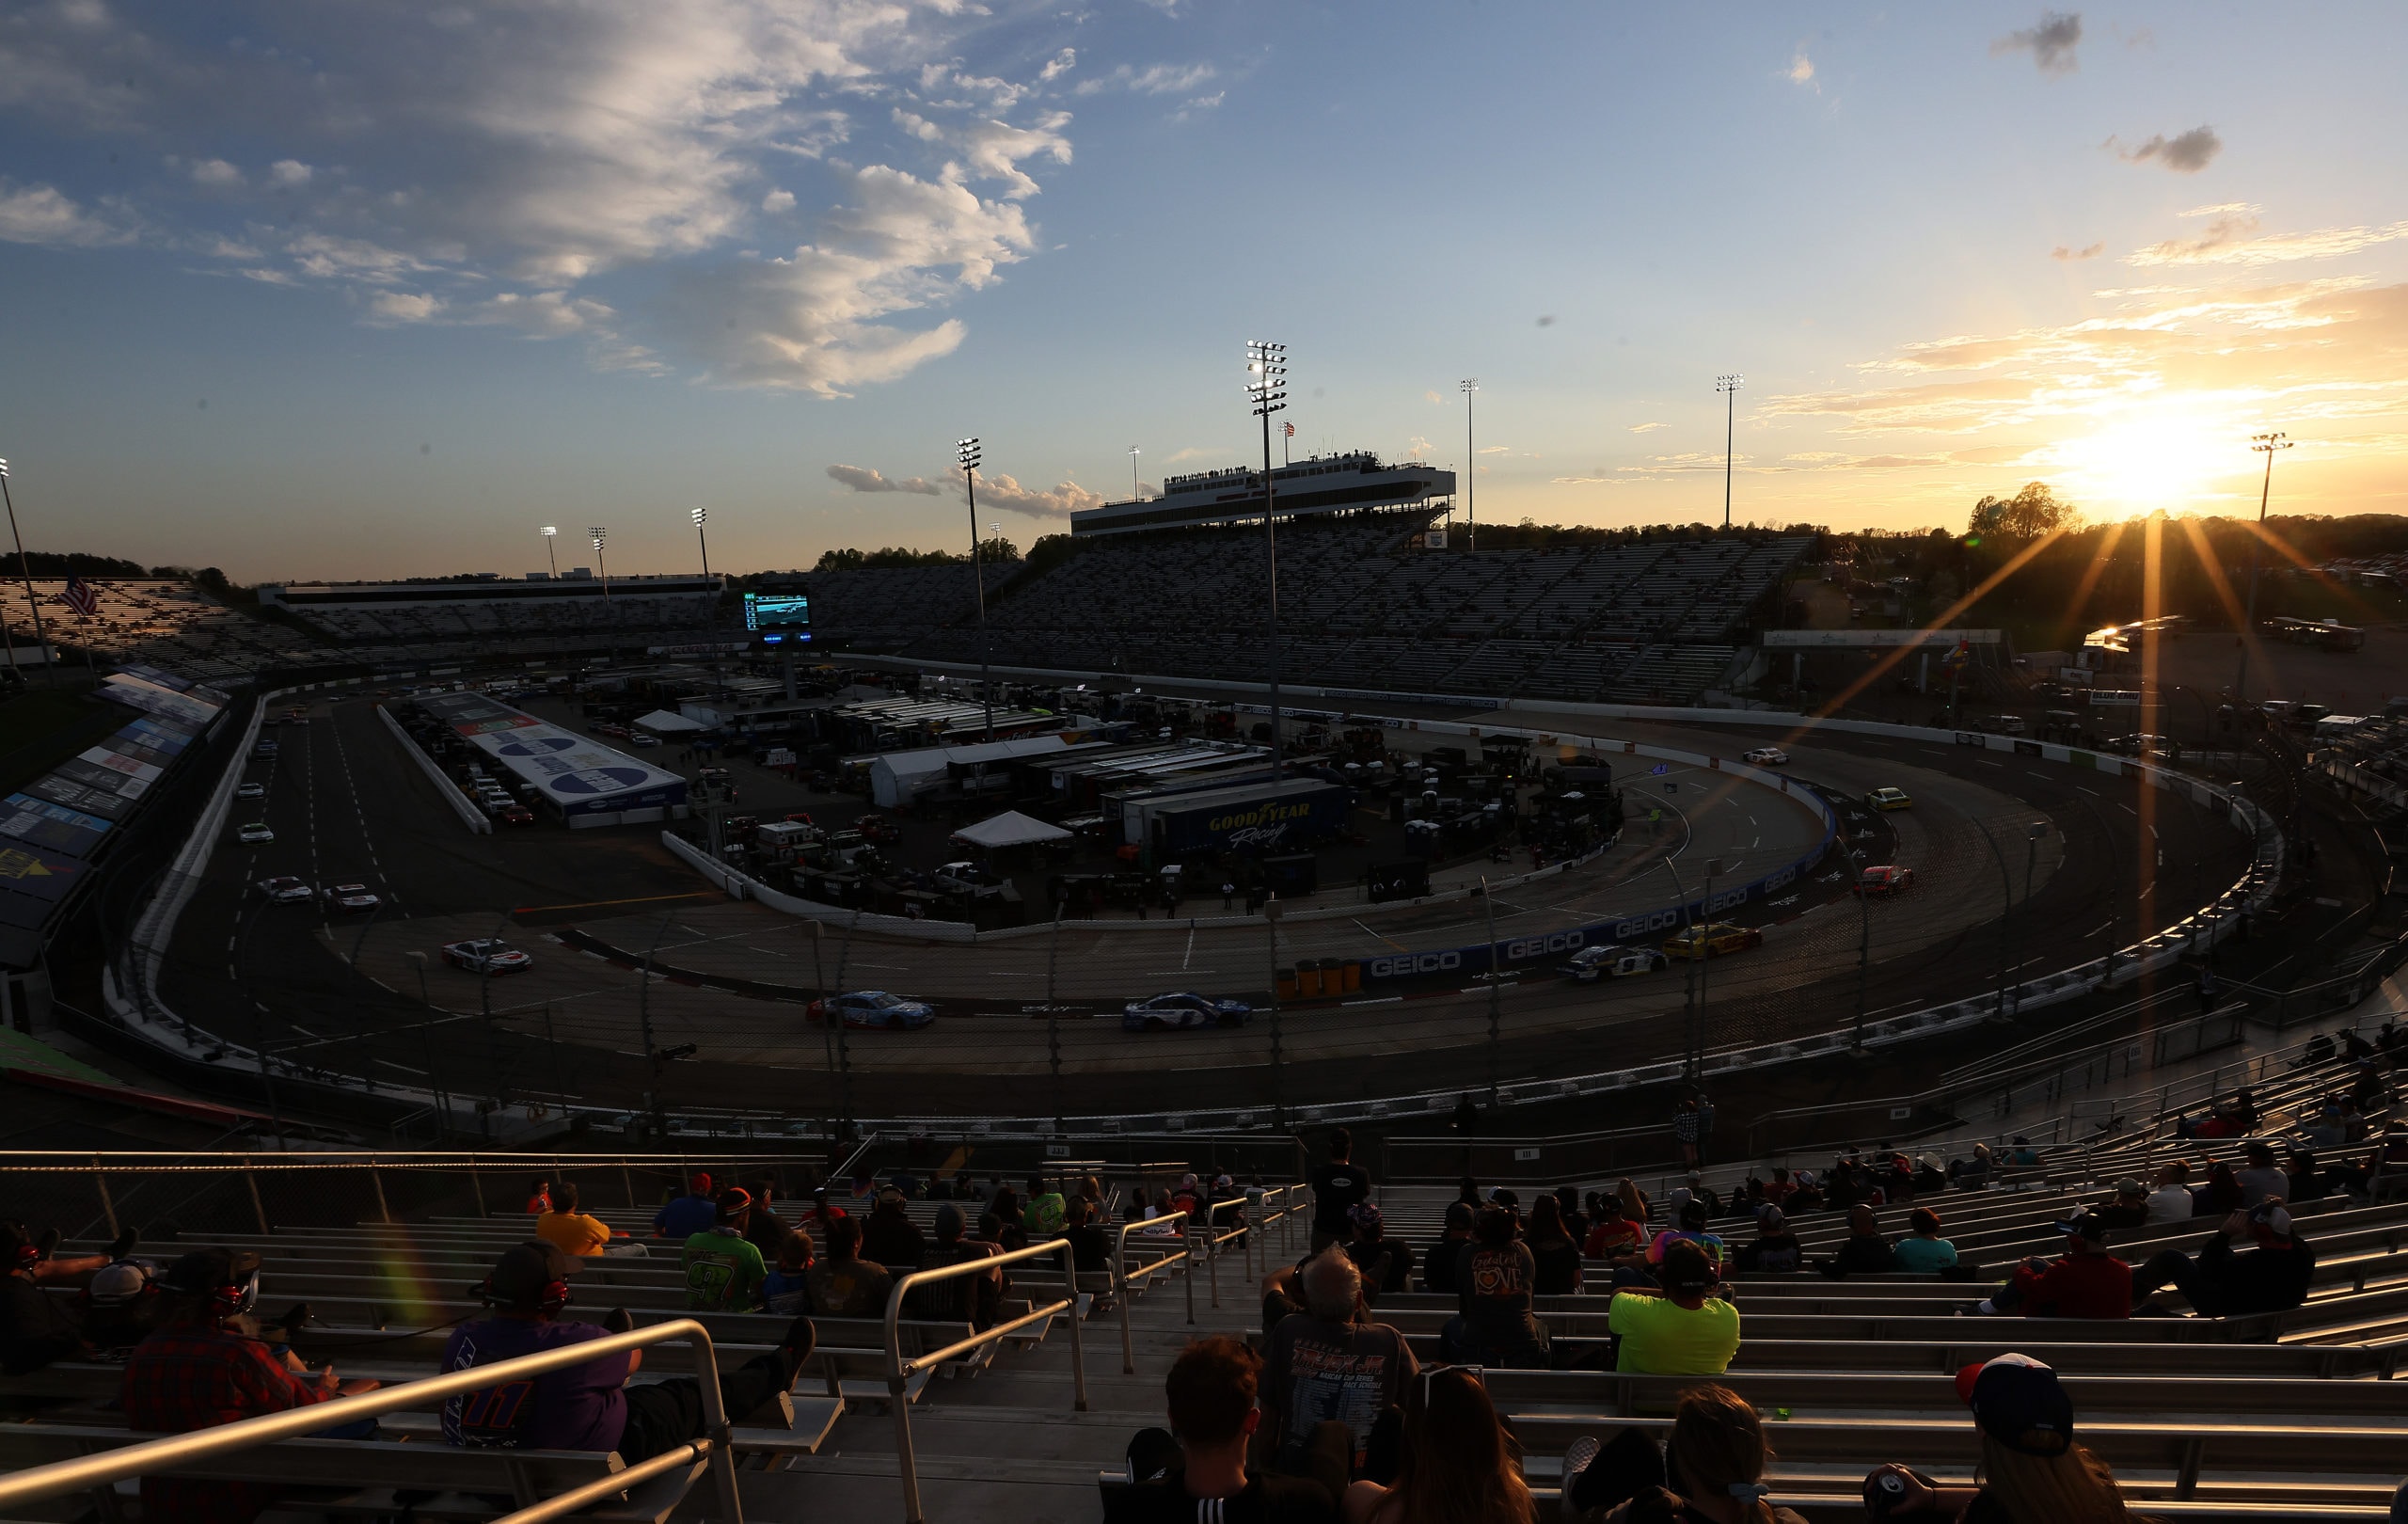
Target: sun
2170,457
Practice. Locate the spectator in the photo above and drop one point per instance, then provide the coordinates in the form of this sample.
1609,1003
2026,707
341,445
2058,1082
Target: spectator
1323,1365
1775,1251
1614,1238
1091,1192
1973,1174
207,1366
1044,1215
2303,1180
2171,1200
1494,1273
724,1270
1684,1329
693,1213
1338,1185
1090,1245
2260,1179
1713,1469
1777,1190
786,1290
823,1214
1923,1251
1864,1251
890,1237
1555,1252
571,1230
1197,1470
2243,1110
1438,1270
121,1307
1635,1204
2086,1281
1686,1131
539,1199
1929,1176
2271,1278
1004,1232
36,1327
2129,1209
971,1299
2220,1197
1387,1264
2032,1471
1575,1221
1692,1231
768,1231
843,1284
1457,1463
587,1406
2022,1155
1808,1196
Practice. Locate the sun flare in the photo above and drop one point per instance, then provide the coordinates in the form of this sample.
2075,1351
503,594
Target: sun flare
2172,458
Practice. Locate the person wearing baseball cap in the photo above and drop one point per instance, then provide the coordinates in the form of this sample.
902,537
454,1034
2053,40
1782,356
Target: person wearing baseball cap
35,1326
2271,1277
2086,1281
724,1267
587,1406
1775,1251
2032,1471
1684,1329
689,1214
1386,1263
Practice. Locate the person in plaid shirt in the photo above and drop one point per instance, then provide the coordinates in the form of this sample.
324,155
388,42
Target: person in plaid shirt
206,1366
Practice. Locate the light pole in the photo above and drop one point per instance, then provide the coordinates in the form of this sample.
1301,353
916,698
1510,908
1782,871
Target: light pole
1267,363
699,515
966,451
1728,386
1270,910
551,557
2032,835
1136,491
41,645
600,535
2007,910
2265,444
1470,384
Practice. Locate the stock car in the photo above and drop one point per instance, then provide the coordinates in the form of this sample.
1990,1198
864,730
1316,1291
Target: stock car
351,897
1703,941
1889,798
1612,961
1181,1010
1766,757
1888,879
873,1010
489,956
255,834
251,790
284,889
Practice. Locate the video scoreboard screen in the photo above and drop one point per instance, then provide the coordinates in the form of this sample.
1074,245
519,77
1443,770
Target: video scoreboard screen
778,618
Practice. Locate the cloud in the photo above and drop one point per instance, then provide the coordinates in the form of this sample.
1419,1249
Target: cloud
2051,43
216,172
289,174
44,214
1061,63
1005,493
1495,450
862,478
2088,251
1648,428
1801,69
404,307
778,200
2185,154
2225,242
1157,79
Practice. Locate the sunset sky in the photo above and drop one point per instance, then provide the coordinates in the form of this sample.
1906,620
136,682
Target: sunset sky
377,289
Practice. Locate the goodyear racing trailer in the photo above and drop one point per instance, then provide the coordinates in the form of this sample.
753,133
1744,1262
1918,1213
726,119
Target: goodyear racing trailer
1255,819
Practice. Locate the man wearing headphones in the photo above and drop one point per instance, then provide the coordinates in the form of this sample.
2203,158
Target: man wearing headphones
587,1406
1686,1330
35,1326
207,1366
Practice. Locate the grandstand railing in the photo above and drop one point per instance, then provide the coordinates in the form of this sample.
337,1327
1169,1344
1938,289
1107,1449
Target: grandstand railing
1124,1280
165,1454
900,1371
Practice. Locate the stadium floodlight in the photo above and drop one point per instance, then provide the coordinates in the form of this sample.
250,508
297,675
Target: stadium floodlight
551,557
41,642
969,454
1267,363
1471,384
601,563
2266,445
698,514
1136,491
1728,386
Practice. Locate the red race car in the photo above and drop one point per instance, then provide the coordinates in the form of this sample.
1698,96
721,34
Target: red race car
1888,879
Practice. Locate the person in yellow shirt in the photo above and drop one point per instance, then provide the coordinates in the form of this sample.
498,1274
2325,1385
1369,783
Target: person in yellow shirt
572,1230
1685,1330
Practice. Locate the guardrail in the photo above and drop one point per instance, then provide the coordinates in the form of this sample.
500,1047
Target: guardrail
154,1456
899,1371
474,819
1123,1282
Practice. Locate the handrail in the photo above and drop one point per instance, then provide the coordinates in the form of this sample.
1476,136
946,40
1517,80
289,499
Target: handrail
156,1455
1122,1279
899,1371
1213,1244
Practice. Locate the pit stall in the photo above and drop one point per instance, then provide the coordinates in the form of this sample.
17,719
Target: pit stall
582,781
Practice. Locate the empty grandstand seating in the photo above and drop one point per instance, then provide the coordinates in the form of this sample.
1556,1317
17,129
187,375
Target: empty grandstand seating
884,607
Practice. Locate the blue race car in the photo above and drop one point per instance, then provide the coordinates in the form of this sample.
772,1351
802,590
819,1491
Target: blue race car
1181,1010
871,1010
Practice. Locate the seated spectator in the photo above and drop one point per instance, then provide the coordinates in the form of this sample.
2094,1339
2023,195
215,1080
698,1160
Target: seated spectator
1973,1174
785,1289
206,1366
2243,1110
1684,1329
1775,1251
571,1230
539,1199
1923,1251
1692,1230
1091,1192
1004,1232
1634,1203
890,1237
695,1211
1457,1463
2032,1471
587,1406
2220,1197
971,1299
843,1284
2130,1208
822,1215
1613,1238
2271,1278
2171,1202
1929,1174
120,1307
1554,1252
2260,1179
1043,1216
1197,1470
768,1231
1713,1469
2086,1281
2303,1180
1494,1273
2022,1154
1808,1196
1777,1189
1864,1251
1090,1245
1438,1270
1700,1191
1568,1205
1324,1364
36,1327
1387,1264
2327,1128
724,1270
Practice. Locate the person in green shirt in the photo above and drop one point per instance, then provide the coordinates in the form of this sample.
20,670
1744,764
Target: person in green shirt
1923,1251
723,1268
1682,1330
1043,1216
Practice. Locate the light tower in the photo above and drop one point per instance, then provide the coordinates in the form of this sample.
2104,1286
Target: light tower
600,535
1471,471
1267,363
2265,444
1728,386
551,559
968,454
699,515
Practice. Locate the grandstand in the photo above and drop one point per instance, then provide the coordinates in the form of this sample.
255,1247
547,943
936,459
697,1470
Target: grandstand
169,624
884,607
543,608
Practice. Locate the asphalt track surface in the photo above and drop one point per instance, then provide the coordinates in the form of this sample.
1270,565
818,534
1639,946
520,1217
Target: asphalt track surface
348,806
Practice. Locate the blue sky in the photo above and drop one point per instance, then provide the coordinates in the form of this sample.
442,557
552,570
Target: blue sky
377,289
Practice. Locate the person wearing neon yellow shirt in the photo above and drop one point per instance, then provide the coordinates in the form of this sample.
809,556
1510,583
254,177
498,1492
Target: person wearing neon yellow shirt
1684,1330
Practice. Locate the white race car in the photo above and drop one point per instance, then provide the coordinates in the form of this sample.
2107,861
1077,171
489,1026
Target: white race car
351,898
1766,757
284,889
251,790
255,834
1612,961
486,955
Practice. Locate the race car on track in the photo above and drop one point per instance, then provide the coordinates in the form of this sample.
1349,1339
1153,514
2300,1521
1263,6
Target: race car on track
251,790
1180,1010
1701,941
284,889
1767,756
874,1010
1612,961
255,834
351,897
1889,798
1888,879
486,955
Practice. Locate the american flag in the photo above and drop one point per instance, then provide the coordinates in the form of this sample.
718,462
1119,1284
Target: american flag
81,597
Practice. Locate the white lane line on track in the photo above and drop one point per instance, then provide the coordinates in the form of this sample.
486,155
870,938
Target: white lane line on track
1384,1000
1190,954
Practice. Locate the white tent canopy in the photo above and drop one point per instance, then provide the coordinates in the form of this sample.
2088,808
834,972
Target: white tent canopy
662,723
1009,829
